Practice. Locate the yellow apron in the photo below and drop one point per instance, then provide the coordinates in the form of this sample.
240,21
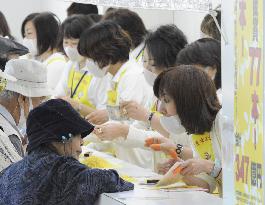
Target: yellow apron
203,146
78,84
113,94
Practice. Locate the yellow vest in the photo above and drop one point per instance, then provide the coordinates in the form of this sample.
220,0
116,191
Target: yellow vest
113,94
203,146
81,93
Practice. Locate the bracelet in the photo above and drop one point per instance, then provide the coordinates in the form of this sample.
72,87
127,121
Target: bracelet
179,149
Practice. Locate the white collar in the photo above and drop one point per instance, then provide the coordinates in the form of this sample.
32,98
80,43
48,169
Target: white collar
136,52
116,77
7,114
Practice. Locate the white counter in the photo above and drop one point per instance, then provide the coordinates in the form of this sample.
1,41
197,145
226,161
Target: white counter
142,195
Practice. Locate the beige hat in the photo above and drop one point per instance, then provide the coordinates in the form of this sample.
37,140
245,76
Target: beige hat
31,78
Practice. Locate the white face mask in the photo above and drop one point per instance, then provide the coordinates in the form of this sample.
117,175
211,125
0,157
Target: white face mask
172,124
149,77
72,54
22,120
31,44
94,69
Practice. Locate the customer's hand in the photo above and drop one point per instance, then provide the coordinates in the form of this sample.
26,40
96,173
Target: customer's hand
134,110
111,131
98,117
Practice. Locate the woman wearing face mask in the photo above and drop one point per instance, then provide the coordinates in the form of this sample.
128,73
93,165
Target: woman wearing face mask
28,33
51,172
205,54
78,86
107,47
43,44
189,96
161,49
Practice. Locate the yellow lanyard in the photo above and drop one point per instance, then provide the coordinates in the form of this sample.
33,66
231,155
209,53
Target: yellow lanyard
204,146
113,94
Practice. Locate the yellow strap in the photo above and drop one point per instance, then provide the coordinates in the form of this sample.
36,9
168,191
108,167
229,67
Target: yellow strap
113,94
203,145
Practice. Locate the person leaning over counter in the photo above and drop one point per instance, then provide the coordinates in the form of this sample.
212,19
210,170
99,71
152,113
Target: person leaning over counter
189,97
51,172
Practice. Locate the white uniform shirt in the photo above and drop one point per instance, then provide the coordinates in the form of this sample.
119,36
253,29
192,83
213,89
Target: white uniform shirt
55,65
132,86
97,91
137,54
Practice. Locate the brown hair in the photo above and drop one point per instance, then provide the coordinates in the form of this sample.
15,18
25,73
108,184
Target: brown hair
105,43
194,95
130,22
208,26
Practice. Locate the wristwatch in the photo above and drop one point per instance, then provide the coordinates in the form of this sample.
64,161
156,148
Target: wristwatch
217,168
150,119
179,149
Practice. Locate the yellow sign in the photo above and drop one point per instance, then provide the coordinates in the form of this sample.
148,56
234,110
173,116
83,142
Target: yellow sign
248,116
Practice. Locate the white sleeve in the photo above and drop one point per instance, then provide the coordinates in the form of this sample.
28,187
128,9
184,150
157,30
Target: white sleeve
132,87
183,139
101,94
61,88
136,137
54,70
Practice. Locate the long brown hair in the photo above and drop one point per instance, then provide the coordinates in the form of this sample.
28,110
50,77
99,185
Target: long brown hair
194,95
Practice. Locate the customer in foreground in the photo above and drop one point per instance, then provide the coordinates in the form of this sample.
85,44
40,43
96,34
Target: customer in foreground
51,173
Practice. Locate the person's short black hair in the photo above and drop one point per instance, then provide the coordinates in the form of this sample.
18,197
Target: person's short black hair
79,8
164,44
47,27
129,22
194,96
28,18
209,27
4,28
204,52
106,43
95,17
74,25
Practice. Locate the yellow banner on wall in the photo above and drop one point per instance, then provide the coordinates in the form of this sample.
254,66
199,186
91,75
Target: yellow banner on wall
248,99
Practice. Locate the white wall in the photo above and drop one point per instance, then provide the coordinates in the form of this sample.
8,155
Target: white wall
16,10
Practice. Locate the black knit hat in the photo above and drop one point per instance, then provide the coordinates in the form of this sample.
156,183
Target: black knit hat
55,121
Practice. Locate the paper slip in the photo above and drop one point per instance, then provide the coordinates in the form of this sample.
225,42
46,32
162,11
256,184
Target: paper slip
115,113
